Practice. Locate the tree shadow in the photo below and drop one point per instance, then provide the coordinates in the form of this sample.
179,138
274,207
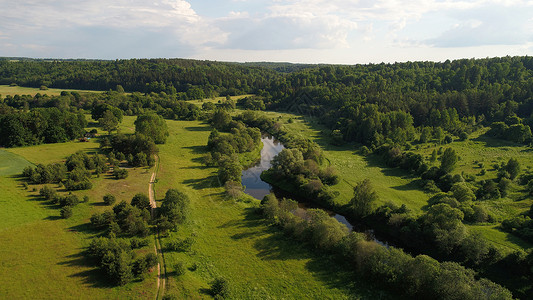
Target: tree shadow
98,204
201,183
198,128
93,277
197,149
53,218
411,186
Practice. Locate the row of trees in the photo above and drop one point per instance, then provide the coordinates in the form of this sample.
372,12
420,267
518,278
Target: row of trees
418,277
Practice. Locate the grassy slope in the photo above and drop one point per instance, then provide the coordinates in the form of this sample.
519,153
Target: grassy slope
11,163
232,240
397,186
17,90
41,255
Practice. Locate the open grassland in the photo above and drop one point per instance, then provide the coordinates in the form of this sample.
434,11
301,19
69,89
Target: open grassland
399,187
18,90
232,239
41,255
11,164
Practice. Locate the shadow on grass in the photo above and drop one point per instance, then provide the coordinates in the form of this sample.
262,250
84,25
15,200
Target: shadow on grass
198,128
411,186
201,183
93,277
98,204
197,149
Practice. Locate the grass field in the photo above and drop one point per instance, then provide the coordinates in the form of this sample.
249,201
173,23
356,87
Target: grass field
41,254
18,90
11,164
233,241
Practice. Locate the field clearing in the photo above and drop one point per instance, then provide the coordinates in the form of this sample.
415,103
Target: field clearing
233,241
41,254
11,164
18,90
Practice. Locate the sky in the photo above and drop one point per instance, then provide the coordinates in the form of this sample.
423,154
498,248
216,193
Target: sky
298,31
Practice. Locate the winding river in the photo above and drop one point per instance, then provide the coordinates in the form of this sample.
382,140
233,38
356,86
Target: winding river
258,189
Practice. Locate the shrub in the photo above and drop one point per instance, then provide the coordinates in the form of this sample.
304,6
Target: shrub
66,212
179,268
220,288
109,199
119,173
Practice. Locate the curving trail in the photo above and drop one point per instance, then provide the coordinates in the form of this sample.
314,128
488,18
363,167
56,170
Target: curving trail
161,270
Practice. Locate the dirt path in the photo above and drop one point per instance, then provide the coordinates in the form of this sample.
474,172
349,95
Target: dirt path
161,270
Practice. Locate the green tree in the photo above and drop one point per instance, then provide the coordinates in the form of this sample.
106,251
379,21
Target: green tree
109,199
364,197
153,126
108,121
448,160
141,201
513,168
175,206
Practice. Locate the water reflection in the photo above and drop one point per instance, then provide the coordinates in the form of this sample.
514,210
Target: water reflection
258,189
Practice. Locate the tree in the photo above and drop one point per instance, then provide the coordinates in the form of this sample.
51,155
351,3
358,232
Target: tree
109,199
108,121
141,201
153,126
448,160
513,168
66,212
221,120
175,206
462,192
289,162
363,199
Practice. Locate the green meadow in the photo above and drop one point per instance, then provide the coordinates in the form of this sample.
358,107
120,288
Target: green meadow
232,239
45,259
18,90
42,254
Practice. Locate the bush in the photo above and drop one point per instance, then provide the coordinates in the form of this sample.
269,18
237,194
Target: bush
66,212
220,288
70,200
179,268
119,173
47,192
109,199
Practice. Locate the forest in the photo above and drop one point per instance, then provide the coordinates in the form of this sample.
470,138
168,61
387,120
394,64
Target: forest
416,118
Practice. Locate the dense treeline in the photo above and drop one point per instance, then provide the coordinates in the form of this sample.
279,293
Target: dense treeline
189,79
43,125
419,277
376,103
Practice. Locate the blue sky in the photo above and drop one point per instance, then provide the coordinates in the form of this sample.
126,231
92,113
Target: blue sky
312,31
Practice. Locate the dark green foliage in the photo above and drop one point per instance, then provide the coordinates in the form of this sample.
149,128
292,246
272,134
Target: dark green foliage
109,199
66,212
220,288
70,200
47,192
448,160
119,173
179,268
221,120
229,170
175,206
152,126
420,277
181,245
513,168
141,201
252,103
364,197
40,125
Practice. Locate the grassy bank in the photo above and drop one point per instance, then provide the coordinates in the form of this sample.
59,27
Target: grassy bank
233,241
